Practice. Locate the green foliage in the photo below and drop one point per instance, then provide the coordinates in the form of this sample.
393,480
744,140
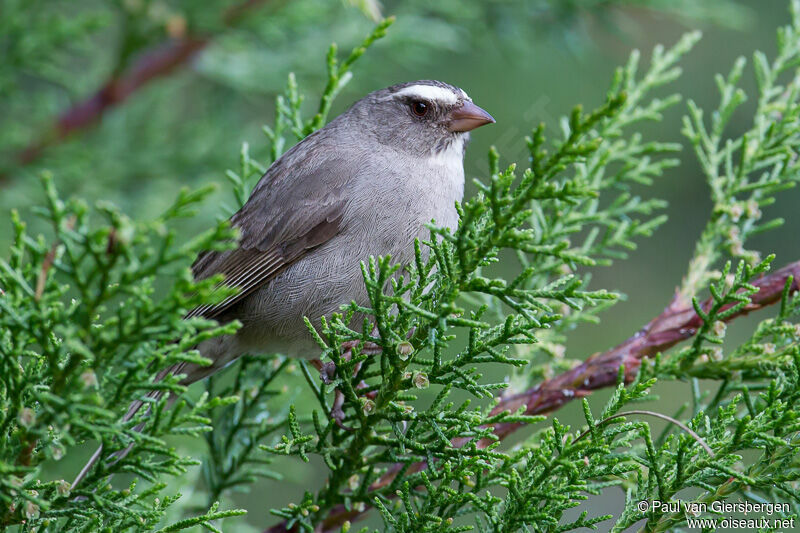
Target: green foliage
745,172
82,335
93,312
734,422
240,426
558,200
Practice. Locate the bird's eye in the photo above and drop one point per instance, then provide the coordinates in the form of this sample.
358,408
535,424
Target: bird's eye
420,109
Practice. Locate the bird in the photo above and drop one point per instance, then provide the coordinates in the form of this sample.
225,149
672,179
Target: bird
366,184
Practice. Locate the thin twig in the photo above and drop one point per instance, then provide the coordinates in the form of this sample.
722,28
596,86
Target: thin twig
669,419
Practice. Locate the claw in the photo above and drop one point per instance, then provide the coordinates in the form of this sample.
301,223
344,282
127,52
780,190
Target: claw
363,385
327,373
337,413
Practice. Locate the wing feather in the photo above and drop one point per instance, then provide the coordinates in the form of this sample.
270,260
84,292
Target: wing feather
285,217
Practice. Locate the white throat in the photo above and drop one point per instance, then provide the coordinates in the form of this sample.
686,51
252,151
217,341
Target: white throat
452,154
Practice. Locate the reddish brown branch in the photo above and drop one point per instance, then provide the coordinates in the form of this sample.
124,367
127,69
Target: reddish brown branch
155,63
676,323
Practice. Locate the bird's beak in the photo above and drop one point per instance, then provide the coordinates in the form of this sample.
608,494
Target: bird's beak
468,117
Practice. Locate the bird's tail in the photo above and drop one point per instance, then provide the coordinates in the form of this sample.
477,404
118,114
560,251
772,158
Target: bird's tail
152,397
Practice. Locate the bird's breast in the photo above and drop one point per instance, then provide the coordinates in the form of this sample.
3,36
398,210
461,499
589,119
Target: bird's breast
387,210
395,209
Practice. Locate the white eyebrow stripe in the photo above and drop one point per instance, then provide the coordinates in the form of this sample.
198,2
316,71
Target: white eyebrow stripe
429,92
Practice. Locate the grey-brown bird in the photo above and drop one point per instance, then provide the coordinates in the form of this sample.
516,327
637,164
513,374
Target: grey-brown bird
365,184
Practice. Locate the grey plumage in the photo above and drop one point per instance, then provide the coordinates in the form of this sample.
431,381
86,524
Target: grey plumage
365,184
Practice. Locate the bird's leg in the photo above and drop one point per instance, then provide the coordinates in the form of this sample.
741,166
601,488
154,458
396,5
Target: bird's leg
327,373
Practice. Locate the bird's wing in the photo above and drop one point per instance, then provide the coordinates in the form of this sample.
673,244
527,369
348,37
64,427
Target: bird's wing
286,216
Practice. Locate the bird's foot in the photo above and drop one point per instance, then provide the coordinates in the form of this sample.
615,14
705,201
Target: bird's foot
337,413
327,373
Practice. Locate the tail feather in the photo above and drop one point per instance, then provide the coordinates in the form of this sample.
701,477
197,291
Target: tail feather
154,396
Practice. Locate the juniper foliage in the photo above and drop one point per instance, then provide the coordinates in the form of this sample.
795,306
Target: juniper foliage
82,334
93,311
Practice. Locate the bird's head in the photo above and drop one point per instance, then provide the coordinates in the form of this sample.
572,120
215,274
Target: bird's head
423,118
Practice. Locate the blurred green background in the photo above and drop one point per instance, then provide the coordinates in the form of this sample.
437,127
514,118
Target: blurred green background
524,62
